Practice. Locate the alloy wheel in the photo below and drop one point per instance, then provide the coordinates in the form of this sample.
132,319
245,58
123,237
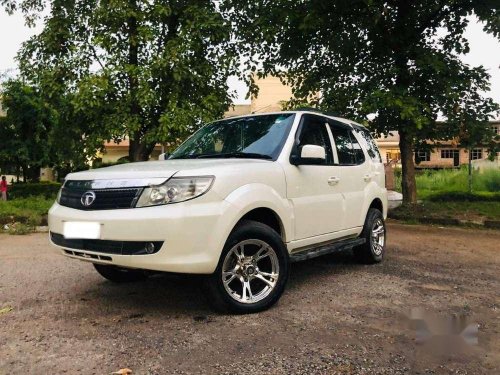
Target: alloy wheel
250,271
378,237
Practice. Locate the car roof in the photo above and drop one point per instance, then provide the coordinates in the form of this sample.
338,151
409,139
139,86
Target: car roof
350,123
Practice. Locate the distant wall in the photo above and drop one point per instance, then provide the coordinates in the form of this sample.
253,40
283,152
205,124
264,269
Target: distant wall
238,110
271,94
486,164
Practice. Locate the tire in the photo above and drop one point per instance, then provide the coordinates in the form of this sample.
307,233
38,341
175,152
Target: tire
253,252
374,232
120,275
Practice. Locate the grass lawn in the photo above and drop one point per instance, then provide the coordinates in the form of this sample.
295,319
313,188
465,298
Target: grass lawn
25,212
431,182
466,211
444,194
27,206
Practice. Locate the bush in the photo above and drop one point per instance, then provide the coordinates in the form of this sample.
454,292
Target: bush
47,190
488,180
20,229
450,212
458,196
31,211
98,163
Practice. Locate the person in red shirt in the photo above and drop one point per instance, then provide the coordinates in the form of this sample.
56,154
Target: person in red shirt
3,188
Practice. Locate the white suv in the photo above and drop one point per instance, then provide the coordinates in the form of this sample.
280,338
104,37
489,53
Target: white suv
238,201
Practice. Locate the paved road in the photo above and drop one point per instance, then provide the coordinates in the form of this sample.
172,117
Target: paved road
336,317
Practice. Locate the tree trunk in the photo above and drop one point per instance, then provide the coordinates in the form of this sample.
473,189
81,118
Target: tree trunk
135,151
470,170
35,174
138,150
409,186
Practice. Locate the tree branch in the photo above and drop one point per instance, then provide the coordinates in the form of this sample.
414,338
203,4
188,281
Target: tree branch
442,12
94,53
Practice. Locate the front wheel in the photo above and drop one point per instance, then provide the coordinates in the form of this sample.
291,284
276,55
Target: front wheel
252,271
373,250
119,274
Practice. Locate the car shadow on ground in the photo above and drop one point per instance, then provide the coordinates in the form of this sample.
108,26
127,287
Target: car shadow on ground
178,294
338,262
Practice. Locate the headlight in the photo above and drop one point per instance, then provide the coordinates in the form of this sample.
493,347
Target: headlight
177,189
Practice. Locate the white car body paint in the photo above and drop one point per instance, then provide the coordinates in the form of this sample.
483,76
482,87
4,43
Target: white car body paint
314,204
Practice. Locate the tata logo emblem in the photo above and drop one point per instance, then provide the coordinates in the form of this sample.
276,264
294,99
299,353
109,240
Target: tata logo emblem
88,198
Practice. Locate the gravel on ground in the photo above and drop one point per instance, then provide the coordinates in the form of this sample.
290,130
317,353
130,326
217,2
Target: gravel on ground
58,316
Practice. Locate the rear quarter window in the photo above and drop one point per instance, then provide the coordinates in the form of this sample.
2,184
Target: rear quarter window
369,144
348,149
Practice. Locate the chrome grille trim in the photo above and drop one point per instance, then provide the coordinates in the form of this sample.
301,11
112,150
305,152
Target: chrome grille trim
106,199
114,184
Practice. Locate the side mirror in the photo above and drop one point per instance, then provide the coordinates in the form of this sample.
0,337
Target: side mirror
313,152
163,156
309,155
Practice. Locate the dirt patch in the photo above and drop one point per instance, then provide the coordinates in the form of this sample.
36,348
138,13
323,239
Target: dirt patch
336,317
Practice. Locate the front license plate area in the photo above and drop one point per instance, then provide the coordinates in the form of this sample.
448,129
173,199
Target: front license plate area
82,229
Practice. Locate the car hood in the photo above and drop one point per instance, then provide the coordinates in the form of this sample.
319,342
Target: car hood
165,169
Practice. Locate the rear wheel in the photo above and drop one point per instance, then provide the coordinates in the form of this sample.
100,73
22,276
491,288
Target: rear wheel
252,271
119,274
373,250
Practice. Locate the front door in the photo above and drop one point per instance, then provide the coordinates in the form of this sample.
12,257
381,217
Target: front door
313,189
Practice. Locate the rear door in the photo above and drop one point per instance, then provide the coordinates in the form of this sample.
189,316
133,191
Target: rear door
376,170
353,173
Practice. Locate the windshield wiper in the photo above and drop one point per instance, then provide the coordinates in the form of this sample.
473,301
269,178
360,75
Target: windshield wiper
243,155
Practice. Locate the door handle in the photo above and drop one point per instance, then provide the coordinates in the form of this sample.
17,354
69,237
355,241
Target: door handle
333,180
367,177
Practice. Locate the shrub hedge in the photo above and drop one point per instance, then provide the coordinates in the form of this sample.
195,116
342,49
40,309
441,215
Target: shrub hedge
459,196
48,190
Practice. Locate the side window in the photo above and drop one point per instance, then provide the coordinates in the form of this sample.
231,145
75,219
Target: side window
349,150
371,146
313,132
359,155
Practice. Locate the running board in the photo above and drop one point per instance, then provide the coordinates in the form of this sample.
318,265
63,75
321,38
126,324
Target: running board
326,249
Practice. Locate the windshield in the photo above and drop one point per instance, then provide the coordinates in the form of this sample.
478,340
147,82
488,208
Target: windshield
260,136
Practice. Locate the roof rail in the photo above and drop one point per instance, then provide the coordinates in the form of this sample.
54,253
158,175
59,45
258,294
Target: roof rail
311,109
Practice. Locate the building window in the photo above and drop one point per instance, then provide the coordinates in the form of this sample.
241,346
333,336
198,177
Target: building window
448,154
422,156
476,153
393,155
496,129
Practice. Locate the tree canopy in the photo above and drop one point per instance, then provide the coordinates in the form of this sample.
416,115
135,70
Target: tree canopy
149,71
35,134
24,130
396,59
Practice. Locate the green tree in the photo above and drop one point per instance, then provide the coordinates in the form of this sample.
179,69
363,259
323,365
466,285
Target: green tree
34,134
396,59
149,71
471,117
24,130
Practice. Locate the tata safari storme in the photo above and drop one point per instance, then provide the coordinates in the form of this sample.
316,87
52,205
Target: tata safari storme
238,201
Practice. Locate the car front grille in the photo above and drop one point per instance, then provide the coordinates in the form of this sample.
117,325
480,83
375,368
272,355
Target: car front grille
106,246
105,199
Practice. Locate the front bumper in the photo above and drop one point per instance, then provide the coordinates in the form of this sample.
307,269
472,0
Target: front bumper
193,234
